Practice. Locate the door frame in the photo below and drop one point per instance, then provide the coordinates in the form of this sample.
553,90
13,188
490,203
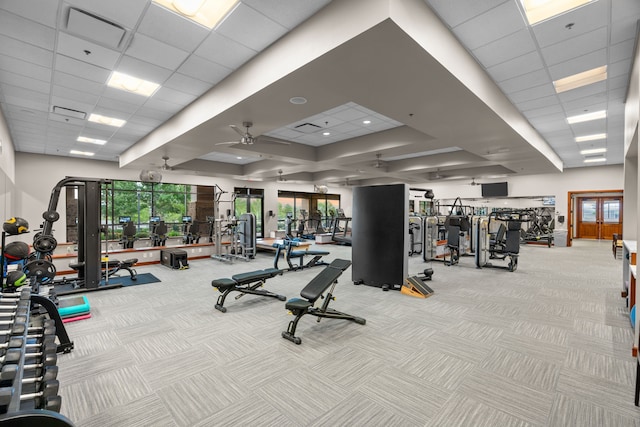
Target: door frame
571,207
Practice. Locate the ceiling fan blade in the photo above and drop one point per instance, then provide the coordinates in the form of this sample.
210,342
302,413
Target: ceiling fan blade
234,127
270,140
227,143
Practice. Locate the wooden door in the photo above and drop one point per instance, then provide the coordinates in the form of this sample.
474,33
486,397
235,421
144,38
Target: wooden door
599,217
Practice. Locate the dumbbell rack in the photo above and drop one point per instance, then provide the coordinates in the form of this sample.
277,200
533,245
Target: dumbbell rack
28,357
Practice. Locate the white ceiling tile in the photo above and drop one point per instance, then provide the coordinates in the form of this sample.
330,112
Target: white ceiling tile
155,52
170,28
618,82
27,31
153,113
586,93
288,13
124,96
578,106
125,13
113,104
457,12
537,112
27,103
515,67
622,9
224,51
26,69
204,70
525,81
250,28
159,104
187,84
171,95
74,82
77,95
77,48
618,95
620,68
44,12
538,103
501,21
506,48
578,65
589,128
20,80
576,46
143,70
25,51
585,19
81,69
621,51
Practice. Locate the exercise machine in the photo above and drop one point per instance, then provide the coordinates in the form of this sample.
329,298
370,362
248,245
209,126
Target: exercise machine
325,281
289,254
341,233
499,238
245,283
415,235
128,232
157,231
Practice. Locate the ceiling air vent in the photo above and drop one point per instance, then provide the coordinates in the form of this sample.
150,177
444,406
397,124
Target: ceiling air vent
307,128
94,28
69,112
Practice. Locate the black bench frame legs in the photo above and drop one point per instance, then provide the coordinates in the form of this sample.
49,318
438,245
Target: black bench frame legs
290,254
245,283
328,278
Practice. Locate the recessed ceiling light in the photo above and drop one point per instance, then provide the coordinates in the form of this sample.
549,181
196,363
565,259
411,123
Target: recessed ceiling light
326,133
132,84
239,158
594,137
91,140
541,10
587,117
596,160
81,153
205,12
298,100
581,79
593,151
104,120
366,122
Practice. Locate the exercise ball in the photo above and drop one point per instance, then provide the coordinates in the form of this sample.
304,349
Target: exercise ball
632,314
16,225
15,251
15,279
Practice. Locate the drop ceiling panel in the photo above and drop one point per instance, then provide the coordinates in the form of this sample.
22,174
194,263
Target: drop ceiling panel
456,12
187,84
575,47
25,51
224,51
155,52
532,93
171,95
579,106
504,49
124,96
12,79
525,81
578,65
589,94
76,95
143,70
538,103
122,12
516,67
30,104
481,29
618,82
168,27
77,48
204,70
537,112
589,128
81,69
114,104
14,65
620,68
146,111
74,82
264,30
42,12
27,31
622,51
585,19
159,104
624,29
623,9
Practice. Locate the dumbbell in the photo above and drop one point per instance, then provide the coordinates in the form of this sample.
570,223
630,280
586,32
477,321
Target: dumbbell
17,329
17,319
17,311
8,374
46,348
12,355
48,373
44,397
49,359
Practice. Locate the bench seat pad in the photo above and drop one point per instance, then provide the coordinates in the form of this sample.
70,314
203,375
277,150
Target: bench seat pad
223,284
297,304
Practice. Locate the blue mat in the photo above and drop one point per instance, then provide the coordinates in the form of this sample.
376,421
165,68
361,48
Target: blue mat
142,279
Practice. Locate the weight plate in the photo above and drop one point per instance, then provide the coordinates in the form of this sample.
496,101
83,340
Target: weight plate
45,244
40,270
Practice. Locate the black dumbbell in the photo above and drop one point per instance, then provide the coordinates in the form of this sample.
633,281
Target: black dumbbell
48,373
44,350
8,374
47,389
49,359
17,319
17,329
13,355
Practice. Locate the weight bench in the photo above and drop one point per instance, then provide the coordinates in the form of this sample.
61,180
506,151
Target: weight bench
112,267
245,283
314,290
289,253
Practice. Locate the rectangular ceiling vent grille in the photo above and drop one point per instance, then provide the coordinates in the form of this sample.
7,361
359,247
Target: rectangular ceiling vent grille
69,112
307,128
91,27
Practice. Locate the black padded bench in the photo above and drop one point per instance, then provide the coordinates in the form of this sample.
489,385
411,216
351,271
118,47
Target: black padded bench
245,283
310,294
288,245
112,267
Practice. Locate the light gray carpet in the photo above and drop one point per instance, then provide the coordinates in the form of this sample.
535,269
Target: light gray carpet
547,345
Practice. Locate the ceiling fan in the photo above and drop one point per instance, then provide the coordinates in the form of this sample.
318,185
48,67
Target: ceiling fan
246,138
280,178
473,182
379,163
165,166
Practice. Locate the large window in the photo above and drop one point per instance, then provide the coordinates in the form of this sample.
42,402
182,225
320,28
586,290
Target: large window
303,205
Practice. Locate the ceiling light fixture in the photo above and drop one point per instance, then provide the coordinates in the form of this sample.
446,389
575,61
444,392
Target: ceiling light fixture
595,160
91,140
593,151
594,137
587,117
81,153
366,122
132,84
581,79
298,100
541,10
104,120
326,133
205,12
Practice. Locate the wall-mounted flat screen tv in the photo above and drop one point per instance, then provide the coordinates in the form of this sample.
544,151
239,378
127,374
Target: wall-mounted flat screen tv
496,189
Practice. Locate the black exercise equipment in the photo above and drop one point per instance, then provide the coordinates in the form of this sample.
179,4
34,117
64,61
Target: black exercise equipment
110,268
328,277
505,241
456,226
290,254
128,233
245,283
15,225
340,230
157,231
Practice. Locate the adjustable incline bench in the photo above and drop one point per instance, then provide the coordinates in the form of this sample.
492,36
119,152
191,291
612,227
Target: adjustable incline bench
314,290
245,283
288,245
